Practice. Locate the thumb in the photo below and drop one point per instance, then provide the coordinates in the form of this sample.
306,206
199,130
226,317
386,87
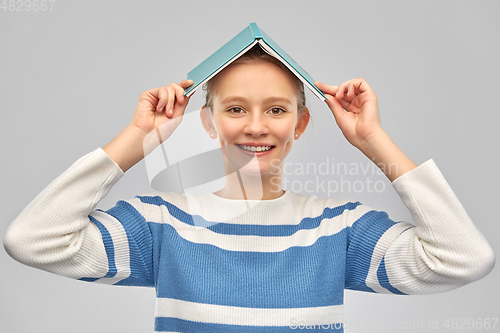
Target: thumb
335,107
186,83
184,100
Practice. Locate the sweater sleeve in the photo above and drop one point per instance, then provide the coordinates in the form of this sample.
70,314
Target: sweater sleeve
442,251
61,232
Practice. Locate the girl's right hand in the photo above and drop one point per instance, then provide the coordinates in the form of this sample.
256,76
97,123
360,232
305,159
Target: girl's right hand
151,124
161,109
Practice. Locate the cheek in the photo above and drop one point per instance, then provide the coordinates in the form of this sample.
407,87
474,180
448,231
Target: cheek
285,130
227,130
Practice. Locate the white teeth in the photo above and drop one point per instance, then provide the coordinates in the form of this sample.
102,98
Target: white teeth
254,149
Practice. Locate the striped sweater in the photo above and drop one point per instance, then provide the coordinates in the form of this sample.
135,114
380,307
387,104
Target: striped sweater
221,265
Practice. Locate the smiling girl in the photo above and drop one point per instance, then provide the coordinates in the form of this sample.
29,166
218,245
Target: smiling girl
251,257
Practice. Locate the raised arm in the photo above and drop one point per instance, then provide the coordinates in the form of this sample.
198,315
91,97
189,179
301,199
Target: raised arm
157,114
443,251
355,108
60,231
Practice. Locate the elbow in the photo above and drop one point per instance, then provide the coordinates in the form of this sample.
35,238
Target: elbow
472,261
17,244
483,264
30,247
11,244
477,265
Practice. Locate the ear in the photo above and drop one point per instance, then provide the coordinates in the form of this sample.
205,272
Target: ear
302,122
207,121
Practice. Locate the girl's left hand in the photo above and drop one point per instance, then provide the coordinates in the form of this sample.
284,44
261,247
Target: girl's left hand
355,108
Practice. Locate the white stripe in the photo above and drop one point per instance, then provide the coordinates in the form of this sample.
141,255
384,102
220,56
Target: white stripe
233,315
357,213
213,208
378,254
304,237
202,235
194,207
120,244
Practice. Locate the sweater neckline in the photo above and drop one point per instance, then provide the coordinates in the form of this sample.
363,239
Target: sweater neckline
226,200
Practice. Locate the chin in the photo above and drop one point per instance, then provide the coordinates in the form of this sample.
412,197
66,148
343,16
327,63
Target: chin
251,164
251,168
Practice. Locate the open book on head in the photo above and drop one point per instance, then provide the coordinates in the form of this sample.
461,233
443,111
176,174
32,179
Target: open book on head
236,47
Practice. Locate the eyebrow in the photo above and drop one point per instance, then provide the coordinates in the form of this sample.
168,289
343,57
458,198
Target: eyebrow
267,100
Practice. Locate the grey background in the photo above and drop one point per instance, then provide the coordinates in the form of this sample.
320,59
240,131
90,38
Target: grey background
70,79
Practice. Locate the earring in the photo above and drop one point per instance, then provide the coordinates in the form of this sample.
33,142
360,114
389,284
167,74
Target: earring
296,135
212,135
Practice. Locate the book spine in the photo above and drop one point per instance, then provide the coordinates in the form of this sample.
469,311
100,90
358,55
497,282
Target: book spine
255,31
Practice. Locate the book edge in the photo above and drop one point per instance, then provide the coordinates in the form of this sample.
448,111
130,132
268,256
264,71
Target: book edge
267,48
258,38
230,61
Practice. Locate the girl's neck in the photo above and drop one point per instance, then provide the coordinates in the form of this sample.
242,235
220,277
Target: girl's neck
241,186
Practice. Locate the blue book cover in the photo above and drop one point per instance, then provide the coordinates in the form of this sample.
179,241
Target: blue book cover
237,46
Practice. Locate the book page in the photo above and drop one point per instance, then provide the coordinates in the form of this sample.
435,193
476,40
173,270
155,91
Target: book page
269,50
222,67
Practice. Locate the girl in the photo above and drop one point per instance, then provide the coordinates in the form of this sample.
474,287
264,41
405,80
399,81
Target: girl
251,257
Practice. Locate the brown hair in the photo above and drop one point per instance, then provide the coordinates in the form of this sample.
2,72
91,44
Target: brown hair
256,54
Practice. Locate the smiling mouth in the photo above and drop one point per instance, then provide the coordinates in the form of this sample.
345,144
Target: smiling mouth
256,149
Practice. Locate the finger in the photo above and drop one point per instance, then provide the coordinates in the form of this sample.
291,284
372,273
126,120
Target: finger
349,91
342,90
362,92
179,94
186,83
358,86
335,107
345,104
162,99
170,101
150,96
332,90
180,90
362,85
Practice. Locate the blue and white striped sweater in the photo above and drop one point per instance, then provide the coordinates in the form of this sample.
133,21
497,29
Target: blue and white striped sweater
301,264
222,265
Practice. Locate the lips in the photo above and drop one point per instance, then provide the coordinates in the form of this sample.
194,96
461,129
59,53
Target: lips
253,149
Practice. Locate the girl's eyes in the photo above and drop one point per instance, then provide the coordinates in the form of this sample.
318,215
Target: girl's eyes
274,111
277,111
235,110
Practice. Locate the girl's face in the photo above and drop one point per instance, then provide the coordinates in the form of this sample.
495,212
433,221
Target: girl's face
255,117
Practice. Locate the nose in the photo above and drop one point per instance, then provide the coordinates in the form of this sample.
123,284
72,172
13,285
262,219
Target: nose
256,124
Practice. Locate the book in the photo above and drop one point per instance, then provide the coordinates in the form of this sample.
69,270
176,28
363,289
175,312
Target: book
235,48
